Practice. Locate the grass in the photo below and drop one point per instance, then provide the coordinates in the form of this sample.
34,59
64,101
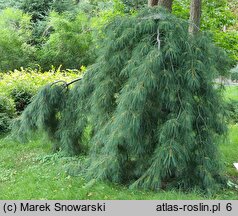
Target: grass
231,93
229,151
31,171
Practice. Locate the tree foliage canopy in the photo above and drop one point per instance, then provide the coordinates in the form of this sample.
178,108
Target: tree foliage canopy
150,102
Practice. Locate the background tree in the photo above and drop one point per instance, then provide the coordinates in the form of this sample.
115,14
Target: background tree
16,32
152,3
69,44
167,4
39,9
195,16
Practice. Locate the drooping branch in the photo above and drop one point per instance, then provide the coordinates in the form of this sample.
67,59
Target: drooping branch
73,81
59,81
65,84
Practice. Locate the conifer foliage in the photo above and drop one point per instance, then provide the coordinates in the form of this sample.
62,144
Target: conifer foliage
150,101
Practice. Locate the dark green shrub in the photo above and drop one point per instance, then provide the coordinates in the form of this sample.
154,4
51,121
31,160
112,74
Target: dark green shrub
232,111
22,97
234,73
7,112
234,76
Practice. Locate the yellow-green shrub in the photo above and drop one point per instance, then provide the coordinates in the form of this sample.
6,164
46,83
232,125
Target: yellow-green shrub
21,85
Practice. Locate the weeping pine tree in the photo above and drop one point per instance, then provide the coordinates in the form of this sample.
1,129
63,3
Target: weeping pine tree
150,101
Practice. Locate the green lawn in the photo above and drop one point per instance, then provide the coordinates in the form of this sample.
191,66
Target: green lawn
31,171
231,93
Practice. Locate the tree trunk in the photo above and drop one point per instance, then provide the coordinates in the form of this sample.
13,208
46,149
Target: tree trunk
167,4
195,16
152,3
